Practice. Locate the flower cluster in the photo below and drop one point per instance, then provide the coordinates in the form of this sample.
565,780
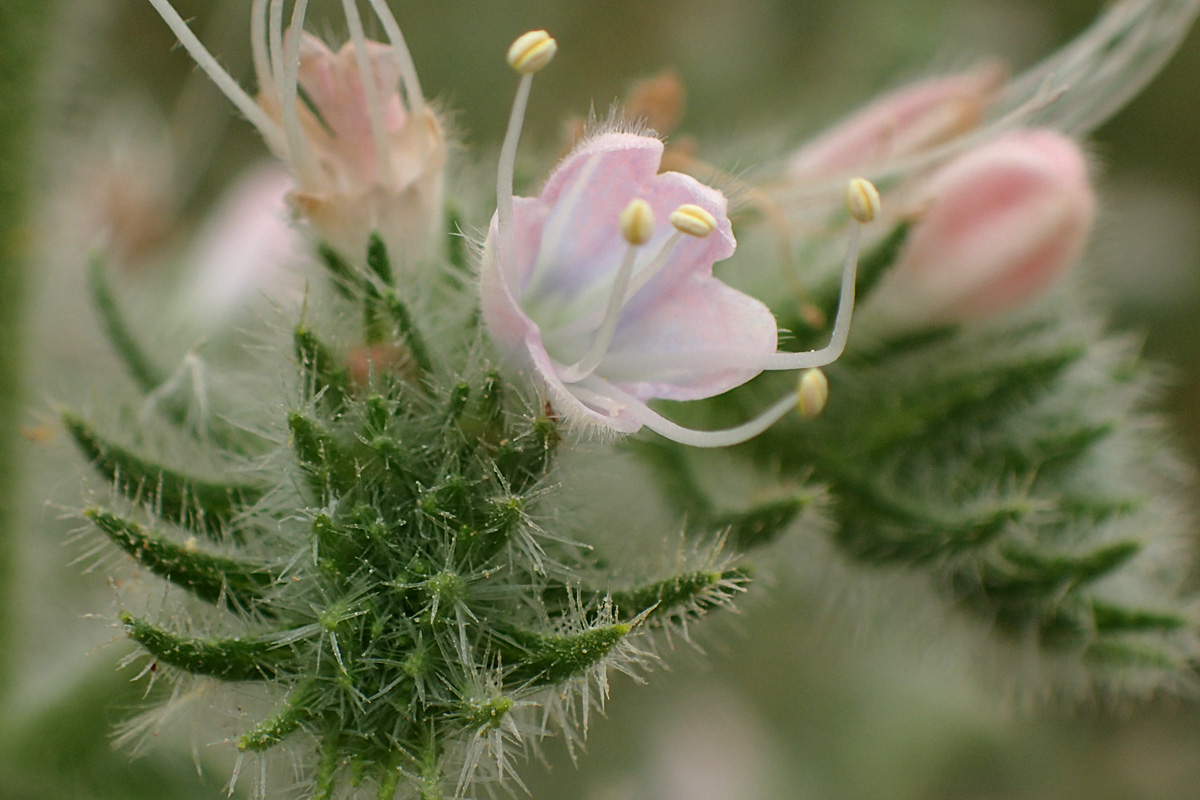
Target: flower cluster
391,559
605,322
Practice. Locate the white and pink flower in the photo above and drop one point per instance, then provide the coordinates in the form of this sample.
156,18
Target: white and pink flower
367,158
545,302
606,310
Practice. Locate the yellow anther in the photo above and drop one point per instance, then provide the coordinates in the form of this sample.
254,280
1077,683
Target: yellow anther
693,220
637,222
862,199
532,51
813,393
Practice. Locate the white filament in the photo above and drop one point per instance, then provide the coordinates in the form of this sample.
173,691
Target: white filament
228,86
408,70
299,155
504,178
841,326
258,46
643,275
725,437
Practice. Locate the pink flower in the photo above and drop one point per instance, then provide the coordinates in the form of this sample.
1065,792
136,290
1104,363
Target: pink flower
244,249
545,302
1000,225
369,160
605,310
363,180
903,122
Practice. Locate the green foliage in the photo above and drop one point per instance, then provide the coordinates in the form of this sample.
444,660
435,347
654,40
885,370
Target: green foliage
392,577
1016,465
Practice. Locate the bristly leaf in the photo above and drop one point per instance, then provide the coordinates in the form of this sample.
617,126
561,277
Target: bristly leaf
323,376
296,712
379,261
544,659
144,371
251,658
693,593
409,331
760,524
328,467
208,507
211,578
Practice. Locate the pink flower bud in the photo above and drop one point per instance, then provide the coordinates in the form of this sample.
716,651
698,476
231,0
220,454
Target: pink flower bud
902,122
999,225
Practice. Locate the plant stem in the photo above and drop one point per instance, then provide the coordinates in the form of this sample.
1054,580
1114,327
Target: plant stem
21,23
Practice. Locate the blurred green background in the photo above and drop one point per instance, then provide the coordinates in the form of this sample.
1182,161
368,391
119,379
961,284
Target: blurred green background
811,692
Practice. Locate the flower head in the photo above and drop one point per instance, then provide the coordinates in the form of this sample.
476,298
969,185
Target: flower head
366,157
608,310
546,302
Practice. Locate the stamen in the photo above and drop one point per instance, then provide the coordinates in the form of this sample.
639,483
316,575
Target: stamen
688,219
298,148
532,51
694,438
258,46
637,226
512,136
228,86
408,70
275,43
693,220
813,393
383,161
862,200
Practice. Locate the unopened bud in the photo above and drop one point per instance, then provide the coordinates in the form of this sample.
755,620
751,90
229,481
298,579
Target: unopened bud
693,220
999,226
637,222
903,122
813,393
532,51
862,200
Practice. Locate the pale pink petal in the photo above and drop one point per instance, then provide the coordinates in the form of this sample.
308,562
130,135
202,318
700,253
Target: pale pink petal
699,319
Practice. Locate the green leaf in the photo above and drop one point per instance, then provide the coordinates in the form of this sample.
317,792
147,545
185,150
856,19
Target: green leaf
1116,619
691,593
760,524
409,331
211,578
542,659
296,711
378,260
323,376
252,658
144,371
208,507
329,468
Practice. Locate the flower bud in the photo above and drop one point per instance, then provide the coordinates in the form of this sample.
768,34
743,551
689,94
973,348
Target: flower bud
999,226
903,122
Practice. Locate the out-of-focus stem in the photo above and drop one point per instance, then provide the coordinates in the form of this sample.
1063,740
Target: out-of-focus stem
22,24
